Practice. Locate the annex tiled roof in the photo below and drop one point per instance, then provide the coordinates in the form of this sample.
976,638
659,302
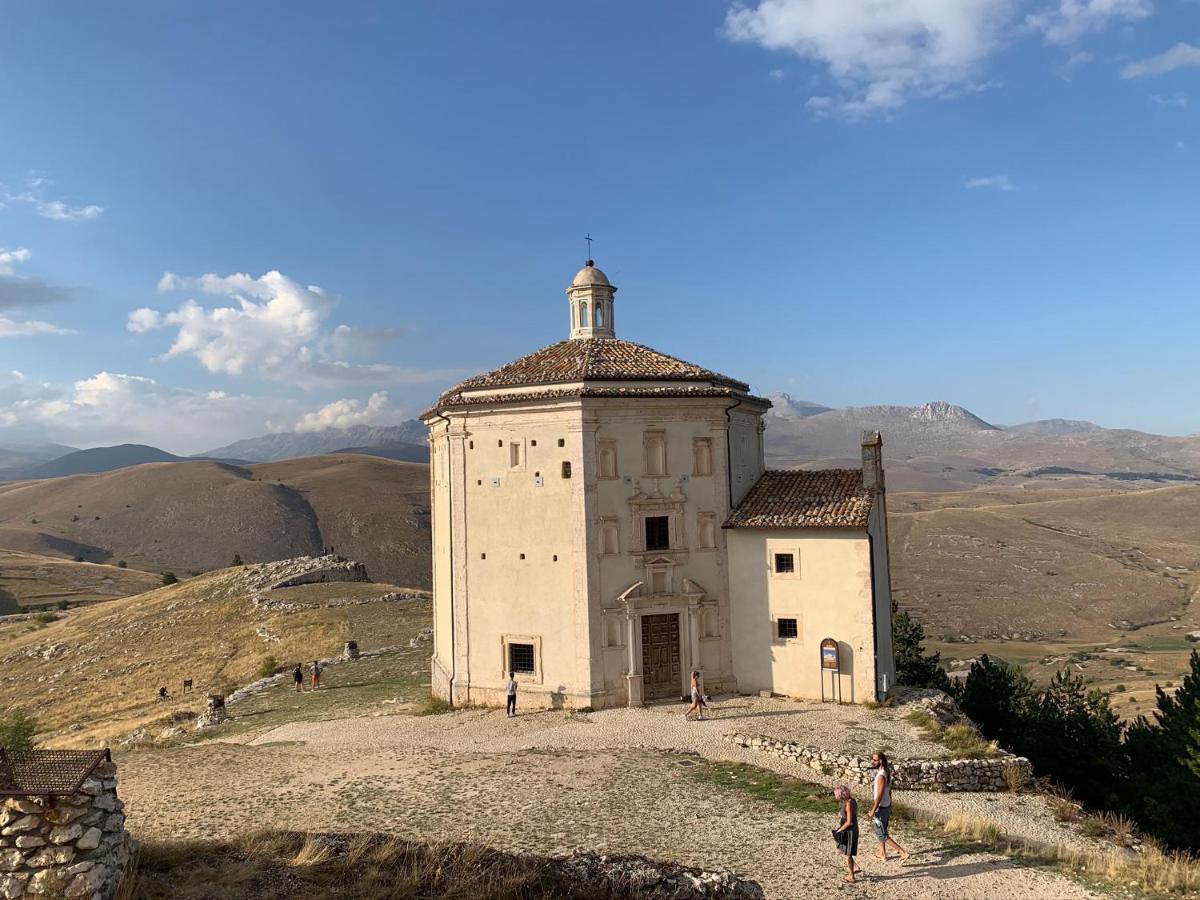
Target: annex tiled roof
453,400
800,498
593,359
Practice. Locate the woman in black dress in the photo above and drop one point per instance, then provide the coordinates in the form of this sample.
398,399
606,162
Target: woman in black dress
846,834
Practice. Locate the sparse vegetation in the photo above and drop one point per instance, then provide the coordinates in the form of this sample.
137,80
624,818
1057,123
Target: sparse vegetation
122,564
963,739
268,667
432,706
1015,777
356,867
17,729
169,578
781,791
42,619
237,561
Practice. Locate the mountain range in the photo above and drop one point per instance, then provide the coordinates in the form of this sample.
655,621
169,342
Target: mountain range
937,446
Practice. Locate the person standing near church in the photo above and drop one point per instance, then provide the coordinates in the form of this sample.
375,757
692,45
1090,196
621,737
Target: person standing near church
316,675
510,690
881,808
697,706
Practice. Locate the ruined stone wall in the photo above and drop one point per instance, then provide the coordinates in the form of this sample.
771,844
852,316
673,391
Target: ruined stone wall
940,775
70,847
326,572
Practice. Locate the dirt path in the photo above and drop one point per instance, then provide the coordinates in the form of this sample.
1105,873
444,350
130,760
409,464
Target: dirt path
546,782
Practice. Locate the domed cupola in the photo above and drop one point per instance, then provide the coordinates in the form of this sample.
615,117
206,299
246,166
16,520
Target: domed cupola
591,298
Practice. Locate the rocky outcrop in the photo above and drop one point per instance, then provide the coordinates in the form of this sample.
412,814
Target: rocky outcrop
939,775
651,880
329,569
71,847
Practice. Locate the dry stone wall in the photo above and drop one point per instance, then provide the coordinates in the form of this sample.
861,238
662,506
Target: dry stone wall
72,847
939,775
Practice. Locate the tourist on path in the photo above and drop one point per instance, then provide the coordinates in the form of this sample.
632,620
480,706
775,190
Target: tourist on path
698,703
881,808
846,834
316,675
510,690
298,678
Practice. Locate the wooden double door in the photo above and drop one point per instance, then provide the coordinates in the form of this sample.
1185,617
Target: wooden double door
661,672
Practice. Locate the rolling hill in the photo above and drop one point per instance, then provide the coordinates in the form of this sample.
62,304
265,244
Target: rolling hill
192,517
29,581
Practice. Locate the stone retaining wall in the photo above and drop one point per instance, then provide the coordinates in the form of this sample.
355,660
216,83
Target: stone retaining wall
70,847
940,775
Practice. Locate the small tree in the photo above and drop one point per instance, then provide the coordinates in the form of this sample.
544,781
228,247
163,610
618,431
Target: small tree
914,667
17,729
996,697
237,560
1164,765
169,578
122,565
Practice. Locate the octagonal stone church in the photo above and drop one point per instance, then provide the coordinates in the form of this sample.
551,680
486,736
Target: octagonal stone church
604,523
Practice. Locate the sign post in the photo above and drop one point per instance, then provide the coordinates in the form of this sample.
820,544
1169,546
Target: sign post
831,663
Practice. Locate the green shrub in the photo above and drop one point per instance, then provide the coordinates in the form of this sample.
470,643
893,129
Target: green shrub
62,604
17,728
42,619
268,667
169,578
237,560
122,565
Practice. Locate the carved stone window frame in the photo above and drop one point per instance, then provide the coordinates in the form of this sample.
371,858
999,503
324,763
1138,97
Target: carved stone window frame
522,677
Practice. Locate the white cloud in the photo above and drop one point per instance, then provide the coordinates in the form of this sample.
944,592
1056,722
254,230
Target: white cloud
21,328
995,182
345,413
776,74
47,207
1178,57
880,53
61,212
111,408
1169,101
1070,20
274,328
144,319
9,259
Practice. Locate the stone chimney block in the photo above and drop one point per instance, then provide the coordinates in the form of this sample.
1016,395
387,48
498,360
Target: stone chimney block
872,461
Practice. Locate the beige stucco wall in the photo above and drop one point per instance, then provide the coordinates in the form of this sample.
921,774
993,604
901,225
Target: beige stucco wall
563,596
830,595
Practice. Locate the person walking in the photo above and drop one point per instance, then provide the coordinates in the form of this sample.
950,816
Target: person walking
316,674
846,834
298,678
881,807
510,692
698,704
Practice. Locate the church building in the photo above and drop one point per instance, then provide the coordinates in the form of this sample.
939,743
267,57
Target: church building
604,524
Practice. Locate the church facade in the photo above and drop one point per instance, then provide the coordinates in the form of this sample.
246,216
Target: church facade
604,524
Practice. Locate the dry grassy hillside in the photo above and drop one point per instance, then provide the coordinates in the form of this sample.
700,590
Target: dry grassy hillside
29,580
1103,581
371,509
94,673
193,517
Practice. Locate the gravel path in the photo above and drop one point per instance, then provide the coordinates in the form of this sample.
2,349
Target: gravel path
552,782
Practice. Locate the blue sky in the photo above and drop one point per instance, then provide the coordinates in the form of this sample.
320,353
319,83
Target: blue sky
991,202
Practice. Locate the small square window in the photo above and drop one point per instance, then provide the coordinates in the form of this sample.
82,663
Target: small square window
566,469
562,442
520,658
533,443
658,533
785,562
788,628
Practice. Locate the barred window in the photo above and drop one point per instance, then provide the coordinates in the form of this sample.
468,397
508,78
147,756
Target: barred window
789,628
520,658
785,562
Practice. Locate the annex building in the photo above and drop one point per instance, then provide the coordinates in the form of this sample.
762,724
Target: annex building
604,523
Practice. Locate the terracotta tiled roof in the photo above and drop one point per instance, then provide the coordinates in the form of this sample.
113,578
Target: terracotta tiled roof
799,498
454,401
593,359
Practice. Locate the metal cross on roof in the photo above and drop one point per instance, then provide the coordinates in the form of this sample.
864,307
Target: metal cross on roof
588,238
